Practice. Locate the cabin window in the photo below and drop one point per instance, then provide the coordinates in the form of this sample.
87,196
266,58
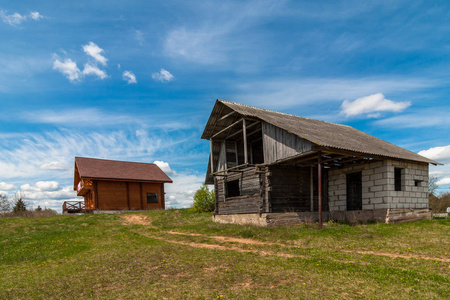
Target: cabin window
398,179
232,188
417,182
152,197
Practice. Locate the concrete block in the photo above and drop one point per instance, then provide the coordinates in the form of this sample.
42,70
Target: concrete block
381,182
376,188
368,195
376,200
381,206
376,176
367,171
381,194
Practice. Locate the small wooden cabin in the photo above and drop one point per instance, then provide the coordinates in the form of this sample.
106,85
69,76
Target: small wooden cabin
119,185
269,168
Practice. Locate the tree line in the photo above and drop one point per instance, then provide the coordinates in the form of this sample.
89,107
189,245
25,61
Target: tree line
17,206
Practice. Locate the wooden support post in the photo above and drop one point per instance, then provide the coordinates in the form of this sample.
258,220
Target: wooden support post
211,156
319,183
162,197
311,188
244,133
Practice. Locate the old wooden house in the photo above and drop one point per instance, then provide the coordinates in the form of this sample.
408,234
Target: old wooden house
269,168
118,185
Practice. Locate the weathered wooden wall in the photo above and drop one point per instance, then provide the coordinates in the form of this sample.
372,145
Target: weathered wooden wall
121,195
249,201
279,143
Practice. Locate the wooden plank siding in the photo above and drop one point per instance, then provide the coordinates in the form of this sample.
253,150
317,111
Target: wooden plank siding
279,144
250,199
121,195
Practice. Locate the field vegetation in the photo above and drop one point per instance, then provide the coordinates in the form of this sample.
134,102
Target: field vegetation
183,254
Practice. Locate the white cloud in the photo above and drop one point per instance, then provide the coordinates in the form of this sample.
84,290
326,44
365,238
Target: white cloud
7,186
163,76
180,193
164,166
95,51
68,68
14,19
17,19
94,70
443,181
41,186
129,77
440,154
53,165
372,104
139,36
430,117
36,16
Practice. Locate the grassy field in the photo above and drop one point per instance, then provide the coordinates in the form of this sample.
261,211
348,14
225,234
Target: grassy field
179,254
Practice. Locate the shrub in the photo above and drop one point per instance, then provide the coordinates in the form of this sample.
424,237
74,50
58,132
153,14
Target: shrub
203,200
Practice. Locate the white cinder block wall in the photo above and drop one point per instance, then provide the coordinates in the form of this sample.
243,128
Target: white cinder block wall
378,185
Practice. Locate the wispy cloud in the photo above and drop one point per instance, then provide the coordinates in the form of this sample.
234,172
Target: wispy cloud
139,36
95,51
129,77
429,117
163,76
16,19
94,70
68,68
303,91
372,105
53,165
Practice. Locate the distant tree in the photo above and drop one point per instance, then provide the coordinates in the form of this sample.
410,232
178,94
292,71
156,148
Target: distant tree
432,185
204,199
5,204
439,204
39,208
19,202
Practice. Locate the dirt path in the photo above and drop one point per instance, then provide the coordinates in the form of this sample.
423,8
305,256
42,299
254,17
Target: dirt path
143,220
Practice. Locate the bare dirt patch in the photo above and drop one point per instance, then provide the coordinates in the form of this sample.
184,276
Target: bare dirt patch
224,238
136,220
395,255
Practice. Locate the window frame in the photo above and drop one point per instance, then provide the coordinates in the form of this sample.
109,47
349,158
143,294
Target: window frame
149,200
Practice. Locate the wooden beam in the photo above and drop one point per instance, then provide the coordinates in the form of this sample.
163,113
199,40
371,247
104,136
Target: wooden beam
226,128
211,156
319,183
140,197
128,196
239,131
244,134
227,115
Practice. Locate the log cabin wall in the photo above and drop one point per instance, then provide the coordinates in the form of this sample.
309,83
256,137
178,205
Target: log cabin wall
121,195
250,197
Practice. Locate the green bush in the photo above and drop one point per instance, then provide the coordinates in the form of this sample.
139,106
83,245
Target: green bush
203,200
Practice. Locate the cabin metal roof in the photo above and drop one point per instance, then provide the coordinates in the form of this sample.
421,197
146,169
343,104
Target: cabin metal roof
94,168
321,133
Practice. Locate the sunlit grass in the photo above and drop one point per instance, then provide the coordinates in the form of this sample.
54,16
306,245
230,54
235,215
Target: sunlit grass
101,256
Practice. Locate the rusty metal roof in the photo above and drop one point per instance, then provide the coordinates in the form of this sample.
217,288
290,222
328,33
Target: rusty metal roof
321,133
95,168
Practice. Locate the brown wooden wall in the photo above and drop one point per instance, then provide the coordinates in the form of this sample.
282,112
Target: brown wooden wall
122,195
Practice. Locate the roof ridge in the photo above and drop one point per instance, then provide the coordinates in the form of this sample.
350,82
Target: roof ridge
281,113
113,160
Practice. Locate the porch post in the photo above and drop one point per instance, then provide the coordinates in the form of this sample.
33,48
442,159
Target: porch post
319,183
211,156
244,132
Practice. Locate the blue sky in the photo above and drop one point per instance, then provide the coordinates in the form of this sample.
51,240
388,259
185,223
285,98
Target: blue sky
136,80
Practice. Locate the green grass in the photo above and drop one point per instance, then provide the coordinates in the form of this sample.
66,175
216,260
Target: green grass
185,255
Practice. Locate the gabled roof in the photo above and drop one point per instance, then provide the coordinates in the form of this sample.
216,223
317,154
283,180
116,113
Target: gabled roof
94,168
321,133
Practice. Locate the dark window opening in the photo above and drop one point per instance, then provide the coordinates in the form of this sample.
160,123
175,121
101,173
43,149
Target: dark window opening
398,179
257,152
354,191
232,188
152,197
417,182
